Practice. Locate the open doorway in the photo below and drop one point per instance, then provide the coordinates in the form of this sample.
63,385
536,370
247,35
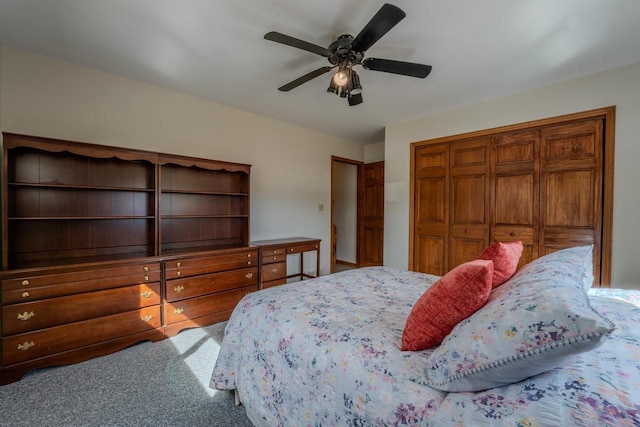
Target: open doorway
346,185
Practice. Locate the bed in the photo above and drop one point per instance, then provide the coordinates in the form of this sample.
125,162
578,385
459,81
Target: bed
543,350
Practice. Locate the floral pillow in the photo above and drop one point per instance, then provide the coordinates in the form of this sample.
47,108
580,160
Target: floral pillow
534,322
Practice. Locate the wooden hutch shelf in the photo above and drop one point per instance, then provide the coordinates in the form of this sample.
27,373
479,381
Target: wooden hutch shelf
103,247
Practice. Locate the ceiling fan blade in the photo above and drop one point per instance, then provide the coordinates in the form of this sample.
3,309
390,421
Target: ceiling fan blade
397,67
297,82
386,18
274,36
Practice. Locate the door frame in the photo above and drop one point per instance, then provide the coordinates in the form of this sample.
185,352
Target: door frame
359,207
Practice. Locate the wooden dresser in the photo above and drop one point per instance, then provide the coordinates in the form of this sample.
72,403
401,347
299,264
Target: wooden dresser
205,289
103,247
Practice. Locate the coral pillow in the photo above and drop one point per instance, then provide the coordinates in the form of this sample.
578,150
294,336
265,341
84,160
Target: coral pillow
453,298
505,257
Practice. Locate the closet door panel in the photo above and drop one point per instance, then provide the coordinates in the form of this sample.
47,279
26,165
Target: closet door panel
430,254
514,199
571,187
466,247
431,210
514,190
570,199
469,200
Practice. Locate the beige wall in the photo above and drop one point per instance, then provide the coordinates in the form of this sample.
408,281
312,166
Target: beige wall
374,152
619,87
291,166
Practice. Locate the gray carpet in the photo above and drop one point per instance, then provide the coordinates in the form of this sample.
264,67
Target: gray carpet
150,384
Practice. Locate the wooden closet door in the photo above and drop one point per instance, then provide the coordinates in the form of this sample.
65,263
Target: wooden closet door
515,197
469,195
431,209
571,188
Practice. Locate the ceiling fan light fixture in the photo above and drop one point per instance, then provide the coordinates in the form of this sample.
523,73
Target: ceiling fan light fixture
355,99
356,87
333,88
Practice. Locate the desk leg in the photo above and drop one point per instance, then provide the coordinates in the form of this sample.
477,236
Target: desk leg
301,265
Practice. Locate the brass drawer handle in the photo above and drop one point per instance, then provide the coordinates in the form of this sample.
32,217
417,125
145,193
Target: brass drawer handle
248,275
25,283
25,295
274,270
145,268
147,318
178,264
26,315
147,294
275,251
146,278
26,345
178,273
179,288
290,249
275,258
248,262
248,255
179,310
512,234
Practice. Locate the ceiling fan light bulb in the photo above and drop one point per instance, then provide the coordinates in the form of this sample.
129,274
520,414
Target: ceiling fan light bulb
340,78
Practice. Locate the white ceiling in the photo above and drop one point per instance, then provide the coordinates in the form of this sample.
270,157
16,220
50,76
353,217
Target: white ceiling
214,49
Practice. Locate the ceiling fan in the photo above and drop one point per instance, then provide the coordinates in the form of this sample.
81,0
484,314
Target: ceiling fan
347,52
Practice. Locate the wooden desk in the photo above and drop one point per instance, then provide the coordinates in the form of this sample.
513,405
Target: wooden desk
273,259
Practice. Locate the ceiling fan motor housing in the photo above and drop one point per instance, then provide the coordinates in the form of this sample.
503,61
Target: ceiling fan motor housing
341,52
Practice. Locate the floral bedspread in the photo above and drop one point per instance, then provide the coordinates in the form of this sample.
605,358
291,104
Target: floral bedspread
326,352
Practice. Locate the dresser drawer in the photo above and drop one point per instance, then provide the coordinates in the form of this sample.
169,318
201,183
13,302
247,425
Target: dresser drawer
18,318
303,248
195,266
193,308
273,271
178,289
26,281
278,282
56,285
32,345
270,259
